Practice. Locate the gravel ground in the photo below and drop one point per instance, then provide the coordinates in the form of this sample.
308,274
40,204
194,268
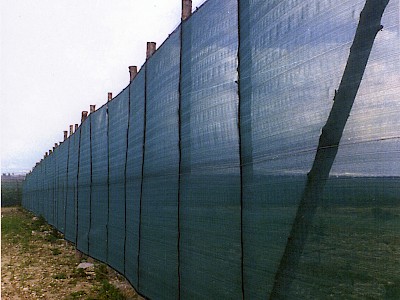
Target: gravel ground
37,263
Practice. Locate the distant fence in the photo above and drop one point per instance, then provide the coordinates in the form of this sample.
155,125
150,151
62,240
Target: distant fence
193,183
11,190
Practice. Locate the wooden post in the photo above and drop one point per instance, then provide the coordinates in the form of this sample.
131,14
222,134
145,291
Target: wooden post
84,116
132,72
186,9
151,48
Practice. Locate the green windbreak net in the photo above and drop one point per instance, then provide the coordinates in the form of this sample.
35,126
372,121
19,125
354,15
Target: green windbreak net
83,193
134,164
61,186
352,248
210,240
255,155
99,186
72,184
158,227
117,145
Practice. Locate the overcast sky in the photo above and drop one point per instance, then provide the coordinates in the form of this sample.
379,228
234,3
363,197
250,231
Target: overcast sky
58,57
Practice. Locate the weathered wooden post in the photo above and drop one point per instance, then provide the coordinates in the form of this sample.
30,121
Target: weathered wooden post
186,9
151,48
132,72
84,116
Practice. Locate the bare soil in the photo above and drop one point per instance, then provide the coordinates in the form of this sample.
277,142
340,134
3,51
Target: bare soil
37,263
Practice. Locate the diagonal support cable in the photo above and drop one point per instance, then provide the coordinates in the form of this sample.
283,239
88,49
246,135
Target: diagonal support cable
367,29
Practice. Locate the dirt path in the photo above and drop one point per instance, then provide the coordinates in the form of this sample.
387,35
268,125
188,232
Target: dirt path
37,263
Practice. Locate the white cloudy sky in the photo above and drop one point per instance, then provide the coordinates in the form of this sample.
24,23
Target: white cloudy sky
58,57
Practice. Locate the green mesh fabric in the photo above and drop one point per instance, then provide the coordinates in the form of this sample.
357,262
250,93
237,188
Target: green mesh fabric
255,155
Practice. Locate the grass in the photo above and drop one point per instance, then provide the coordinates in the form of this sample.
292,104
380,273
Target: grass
78,273
38,223
102,290
101,272
60,276
351,253
56,251
77,295
17,229
108,291
37,261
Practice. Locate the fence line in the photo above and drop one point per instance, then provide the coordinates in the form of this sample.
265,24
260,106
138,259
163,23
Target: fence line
168,182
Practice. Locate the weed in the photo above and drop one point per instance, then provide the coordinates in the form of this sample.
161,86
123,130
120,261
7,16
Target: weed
53,235
108,291
49,238
38,223
101,272
76,295
79,273
60,276
56,233
56,251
